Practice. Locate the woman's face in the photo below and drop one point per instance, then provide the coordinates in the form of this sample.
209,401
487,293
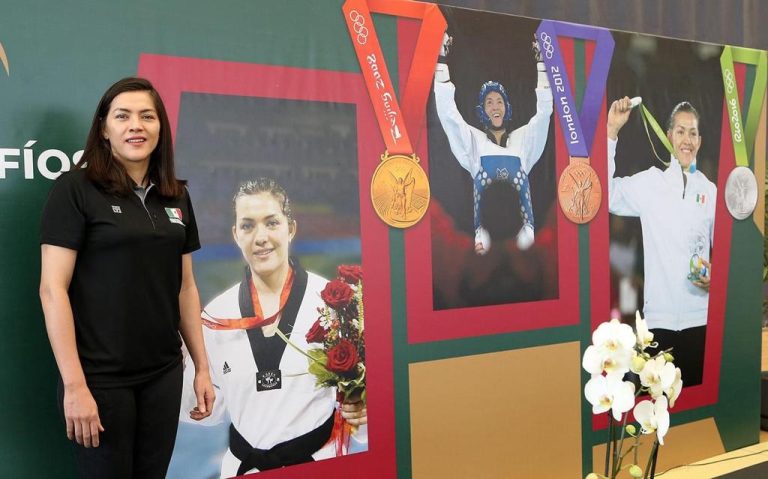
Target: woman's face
495,108
132,127
263,233
685,138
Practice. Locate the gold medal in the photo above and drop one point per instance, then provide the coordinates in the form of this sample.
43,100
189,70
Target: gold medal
400,190
399,187
579,191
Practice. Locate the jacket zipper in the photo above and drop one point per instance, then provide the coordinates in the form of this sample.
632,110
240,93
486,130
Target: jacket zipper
685,182
146,192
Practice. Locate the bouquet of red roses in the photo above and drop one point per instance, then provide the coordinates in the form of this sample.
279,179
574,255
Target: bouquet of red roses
340,362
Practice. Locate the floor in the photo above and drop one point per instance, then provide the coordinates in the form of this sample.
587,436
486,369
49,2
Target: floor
719,465
732,461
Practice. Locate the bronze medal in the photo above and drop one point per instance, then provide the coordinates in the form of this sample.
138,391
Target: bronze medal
579,191
400,190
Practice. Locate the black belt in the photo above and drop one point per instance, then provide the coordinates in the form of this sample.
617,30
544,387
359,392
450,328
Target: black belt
294,451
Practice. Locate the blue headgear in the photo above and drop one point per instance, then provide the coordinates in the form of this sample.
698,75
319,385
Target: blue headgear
488,87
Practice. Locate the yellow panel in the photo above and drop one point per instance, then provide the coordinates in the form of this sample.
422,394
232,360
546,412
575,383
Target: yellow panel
764,358
759,162
498,415
683,444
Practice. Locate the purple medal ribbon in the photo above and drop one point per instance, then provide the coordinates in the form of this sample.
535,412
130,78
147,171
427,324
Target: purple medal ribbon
578,127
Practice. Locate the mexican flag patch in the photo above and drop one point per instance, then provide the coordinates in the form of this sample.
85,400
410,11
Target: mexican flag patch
174,215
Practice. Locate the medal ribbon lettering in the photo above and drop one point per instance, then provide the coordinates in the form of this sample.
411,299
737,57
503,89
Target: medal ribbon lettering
579,190
399,186
579,127
392,122
743,136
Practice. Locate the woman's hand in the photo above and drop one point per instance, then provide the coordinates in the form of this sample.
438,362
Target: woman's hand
82,416
205,396
703,281
618,115
354,411
80,410
191,331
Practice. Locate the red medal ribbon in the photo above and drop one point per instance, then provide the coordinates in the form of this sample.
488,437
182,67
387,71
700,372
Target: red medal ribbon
392,121
258,320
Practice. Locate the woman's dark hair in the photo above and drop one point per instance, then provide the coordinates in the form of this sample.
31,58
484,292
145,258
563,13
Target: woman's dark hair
265,185
681,107
102,169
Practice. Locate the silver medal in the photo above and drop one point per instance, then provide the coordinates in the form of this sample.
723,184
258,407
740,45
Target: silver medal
741,192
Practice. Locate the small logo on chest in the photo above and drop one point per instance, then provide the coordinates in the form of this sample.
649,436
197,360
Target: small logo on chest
226,369
174,215
269,380
116,209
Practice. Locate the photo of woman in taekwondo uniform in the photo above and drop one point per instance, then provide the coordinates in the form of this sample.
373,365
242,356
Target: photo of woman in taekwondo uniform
494,153
498,136
278,415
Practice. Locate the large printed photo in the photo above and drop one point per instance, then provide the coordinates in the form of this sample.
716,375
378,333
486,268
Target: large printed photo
492,166
494,254
664,251
276,188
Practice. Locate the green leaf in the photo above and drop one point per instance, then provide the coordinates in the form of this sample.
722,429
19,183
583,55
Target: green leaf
318,354
322,374
348,386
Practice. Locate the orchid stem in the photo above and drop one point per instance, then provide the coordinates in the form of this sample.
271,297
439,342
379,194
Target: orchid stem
609,443
655,456
651,460
617,451
636,448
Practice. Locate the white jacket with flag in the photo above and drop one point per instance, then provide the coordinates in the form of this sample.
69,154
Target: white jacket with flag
678,221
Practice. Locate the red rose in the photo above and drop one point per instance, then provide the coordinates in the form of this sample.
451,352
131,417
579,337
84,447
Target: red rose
352,274
337,294
316,333
342,358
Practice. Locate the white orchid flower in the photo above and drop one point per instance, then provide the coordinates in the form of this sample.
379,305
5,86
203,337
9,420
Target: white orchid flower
658,376
653,417
644,335
592,362
643,413
614,362
610,392
613,335
611,351
673,391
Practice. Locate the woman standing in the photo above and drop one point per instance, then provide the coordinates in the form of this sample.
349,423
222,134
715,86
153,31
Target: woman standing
117,288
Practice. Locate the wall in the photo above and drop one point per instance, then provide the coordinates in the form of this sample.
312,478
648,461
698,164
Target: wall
456,391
